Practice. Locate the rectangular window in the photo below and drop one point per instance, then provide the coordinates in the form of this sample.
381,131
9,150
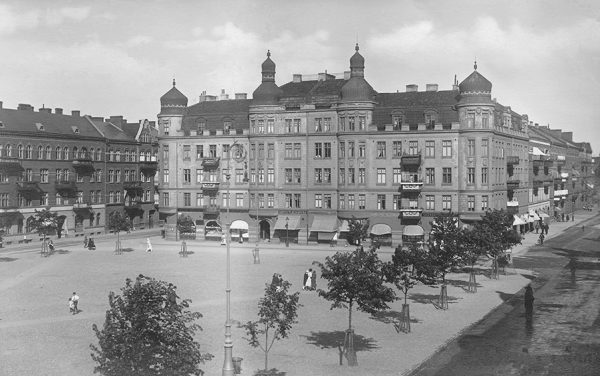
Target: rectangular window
380,202
397,175
351,177
187,176
485,121
397,148
288,175
381,176
212,151
471,175
261,151
447,149
351,126
44,199
297,201
297,175
380,149
288,200
261,126
318,150
288,151
447,175
430,202
327,201
318,175
297,151
318,125
199,174
342,178
413,147
318,200
165,175
252,154
430,175
270,175
187,199
44,175
342,124
288,126
350,149
471,147
351,201
165,198
446,202
327,125
342,201
327,175
270,126
270,151
470,203
485,147
296,125
362,202
484,175
327,149
186,152
362,179
199,199
270,200
342,149
484,203
396,202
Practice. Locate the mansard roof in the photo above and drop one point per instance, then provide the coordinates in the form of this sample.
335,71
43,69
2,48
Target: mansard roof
28,121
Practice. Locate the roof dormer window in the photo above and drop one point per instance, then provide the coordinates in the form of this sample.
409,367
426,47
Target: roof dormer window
40,127
75,129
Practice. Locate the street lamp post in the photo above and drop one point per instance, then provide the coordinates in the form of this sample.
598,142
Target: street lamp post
228,369
287,232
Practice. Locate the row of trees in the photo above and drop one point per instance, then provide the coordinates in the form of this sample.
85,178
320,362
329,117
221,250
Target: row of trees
360,280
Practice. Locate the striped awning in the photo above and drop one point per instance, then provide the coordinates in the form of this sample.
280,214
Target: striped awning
293,222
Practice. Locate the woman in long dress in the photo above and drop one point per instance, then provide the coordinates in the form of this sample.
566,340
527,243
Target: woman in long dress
148,245
307,283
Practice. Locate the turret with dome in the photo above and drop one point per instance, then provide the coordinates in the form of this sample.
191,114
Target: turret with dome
268,92
357,88
475,88
173,102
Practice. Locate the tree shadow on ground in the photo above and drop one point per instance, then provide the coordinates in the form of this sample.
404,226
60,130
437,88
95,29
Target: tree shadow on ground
7,259
462,284
127,249
392,317
269,372
508,298
431,299
189,253
56,252
334,339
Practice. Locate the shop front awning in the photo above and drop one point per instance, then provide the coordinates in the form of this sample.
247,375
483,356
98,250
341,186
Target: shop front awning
518,220
381,229
536,151
527,218
239,225
293,222
413,230
326,236
344,226
470,217
324,223
534,215
543,215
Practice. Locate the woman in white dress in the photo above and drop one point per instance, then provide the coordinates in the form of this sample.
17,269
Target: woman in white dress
148,245
307,284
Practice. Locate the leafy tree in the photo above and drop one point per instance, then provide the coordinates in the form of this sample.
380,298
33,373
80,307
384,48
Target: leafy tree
277,312
185,224
118,222
496,234
44,222
358,230
444,250
470,242
355,279
406,268
148,331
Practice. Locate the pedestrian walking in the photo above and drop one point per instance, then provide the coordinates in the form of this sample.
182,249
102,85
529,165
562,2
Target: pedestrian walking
313,280
73,302
85,242
529,301
537,227
304,280
541,239
148,245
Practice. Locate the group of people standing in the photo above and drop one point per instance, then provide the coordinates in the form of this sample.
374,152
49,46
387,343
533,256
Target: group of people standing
310,280
73,301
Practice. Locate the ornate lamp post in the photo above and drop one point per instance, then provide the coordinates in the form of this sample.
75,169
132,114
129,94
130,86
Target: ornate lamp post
287,233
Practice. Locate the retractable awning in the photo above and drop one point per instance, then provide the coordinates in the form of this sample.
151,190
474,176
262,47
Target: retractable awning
543,215
518,220
344,226
534,215
381,229
413,230
470,217
293,222
324,223
326,236
239,225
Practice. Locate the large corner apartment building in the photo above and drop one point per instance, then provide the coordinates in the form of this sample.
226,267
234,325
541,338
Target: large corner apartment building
297,161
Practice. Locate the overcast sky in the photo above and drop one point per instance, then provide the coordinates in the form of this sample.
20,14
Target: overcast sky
118,57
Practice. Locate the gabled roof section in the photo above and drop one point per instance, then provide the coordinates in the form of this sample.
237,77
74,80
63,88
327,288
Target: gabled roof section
53,124
219,107
110,131
312,91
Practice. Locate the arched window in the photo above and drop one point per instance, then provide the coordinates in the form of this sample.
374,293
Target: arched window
118,156
2,150
66,153
99,154
40,152
28,152
75,151
58,153
92,154
126,155
83,153
20,151
29,224
9,150
48,152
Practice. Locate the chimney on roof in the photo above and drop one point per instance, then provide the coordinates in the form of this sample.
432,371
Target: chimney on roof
25,107
241,96
297,78
455,84
412,87
116,120
431,87
76,113
223,95
58,110
46,110
567,136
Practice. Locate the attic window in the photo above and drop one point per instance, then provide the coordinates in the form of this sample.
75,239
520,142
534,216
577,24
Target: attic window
75,129
40,127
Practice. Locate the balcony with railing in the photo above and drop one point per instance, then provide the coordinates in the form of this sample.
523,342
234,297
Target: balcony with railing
11,166
133,188
65,186
411,160
411,186
512,184
83,165
411,213
148,166
211,209
512,160
210,163
210,188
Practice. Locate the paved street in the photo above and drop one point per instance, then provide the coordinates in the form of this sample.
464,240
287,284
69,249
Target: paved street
40,337
563,337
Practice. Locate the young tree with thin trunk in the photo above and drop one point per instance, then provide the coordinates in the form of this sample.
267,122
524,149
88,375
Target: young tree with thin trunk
45,222
358,230
277,312
355,281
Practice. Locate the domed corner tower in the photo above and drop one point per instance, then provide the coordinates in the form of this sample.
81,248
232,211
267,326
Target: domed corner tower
173,105
357,89
475,105
267,93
